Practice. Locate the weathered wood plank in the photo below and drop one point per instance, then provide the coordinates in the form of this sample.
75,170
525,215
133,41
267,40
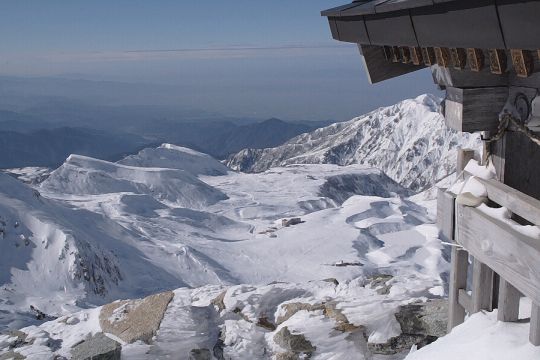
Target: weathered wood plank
474,109
458,281
534,332
445,215
519,203
513,255
508,302
378,69
465,300
482,287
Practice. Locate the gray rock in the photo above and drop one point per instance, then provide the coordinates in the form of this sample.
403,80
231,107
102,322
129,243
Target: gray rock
218,301
12,355
421,324
287,356
429,318
200,354
395,345
297,343
97,347
379,283
292,308
134,320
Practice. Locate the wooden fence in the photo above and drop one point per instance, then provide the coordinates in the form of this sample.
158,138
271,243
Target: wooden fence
505,255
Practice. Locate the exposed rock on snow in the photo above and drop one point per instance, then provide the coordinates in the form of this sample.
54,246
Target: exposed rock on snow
99,347
134,320
295,343
408,141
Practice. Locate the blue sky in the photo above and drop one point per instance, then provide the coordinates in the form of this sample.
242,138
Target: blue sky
240,58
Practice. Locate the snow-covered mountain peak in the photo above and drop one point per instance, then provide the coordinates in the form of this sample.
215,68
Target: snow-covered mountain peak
408,141
176,157
81,175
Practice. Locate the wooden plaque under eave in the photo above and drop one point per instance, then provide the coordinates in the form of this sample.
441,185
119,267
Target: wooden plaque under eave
475,58
428,55
405,54
459,58
416,55
523,62
497,61
443,56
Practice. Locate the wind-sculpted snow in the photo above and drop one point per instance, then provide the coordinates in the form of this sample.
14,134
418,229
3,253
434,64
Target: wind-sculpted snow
176,157
81,175
408,141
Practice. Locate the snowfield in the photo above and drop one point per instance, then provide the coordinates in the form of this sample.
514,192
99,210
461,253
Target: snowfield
359,274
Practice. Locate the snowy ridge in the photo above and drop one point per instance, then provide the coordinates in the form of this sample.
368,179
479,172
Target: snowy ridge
176,157
81,175
408,141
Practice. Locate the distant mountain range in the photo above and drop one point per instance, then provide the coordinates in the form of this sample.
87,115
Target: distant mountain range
29,140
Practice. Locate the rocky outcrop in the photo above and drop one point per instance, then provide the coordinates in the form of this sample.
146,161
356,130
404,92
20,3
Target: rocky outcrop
200,354
134,320
429,318
421,324
295,343
97,347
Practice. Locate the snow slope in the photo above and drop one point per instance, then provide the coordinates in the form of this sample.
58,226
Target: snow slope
176,157
408,141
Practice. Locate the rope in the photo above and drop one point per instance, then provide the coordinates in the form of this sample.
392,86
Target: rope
507,119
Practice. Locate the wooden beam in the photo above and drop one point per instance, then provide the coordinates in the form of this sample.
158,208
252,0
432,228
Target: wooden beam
523,62
458,281
378,68
459,58
482,287
467,79
509,298
534,332
519,203
474,109
442,55
388,54
497,61
475,58
497,244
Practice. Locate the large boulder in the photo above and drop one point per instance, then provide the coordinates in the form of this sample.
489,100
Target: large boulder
429,318
296,343
97,347
133,320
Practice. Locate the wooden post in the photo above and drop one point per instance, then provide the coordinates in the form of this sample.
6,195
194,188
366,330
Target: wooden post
534,332
459,257
482,287
463,158
458,281
508,302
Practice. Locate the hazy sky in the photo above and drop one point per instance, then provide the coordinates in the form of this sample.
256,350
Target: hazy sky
237,57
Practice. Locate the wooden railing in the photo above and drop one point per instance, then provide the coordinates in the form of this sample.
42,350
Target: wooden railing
505,256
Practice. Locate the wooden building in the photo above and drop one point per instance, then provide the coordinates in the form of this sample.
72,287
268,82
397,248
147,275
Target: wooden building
486,55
